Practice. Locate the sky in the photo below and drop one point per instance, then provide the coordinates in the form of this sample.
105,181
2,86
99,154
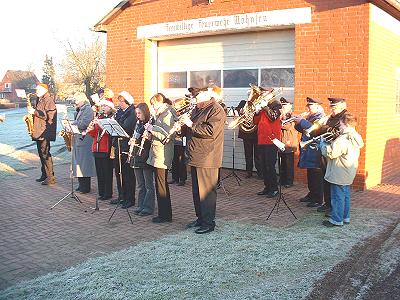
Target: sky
32,29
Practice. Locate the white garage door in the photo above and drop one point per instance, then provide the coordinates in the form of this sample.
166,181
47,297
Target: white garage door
231,61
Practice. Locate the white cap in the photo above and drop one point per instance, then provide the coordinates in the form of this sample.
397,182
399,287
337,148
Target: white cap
127,97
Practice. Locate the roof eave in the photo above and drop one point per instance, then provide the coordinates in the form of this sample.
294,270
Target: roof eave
392,7
101,25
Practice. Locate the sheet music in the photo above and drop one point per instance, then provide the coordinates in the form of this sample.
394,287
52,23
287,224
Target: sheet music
69,127
112,127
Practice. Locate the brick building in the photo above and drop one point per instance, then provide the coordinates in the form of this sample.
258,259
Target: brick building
310,48
12,80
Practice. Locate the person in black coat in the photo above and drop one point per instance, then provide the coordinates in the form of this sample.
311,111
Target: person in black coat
250,145
44,131
126,182
204,153
143,172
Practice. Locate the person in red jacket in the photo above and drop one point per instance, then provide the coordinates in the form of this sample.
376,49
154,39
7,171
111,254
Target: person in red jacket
101,151
269,127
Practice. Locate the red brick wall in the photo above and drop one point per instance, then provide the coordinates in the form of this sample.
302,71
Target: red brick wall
331,52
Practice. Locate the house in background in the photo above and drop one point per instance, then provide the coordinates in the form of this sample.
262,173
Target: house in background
12,80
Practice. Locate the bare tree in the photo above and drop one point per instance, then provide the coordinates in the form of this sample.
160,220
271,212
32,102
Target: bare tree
85,66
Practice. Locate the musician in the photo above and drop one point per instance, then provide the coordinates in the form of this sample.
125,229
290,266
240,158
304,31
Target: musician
95,99
44,131
101,151
250,145
269,127
179,172
143,172
126,182
289,138
310,157
161,155
83,165
342,161
338,108
204,152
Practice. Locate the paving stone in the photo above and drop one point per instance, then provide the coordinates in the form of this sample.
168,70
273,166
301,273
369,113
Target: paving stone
35,240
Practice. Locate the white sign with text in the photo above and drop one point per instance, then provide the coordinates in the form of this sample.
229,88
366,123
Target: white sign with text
274,18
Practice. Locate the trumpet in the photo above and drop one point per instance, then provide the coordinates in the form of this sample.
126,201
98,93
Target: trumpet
316,125
290,120
329,136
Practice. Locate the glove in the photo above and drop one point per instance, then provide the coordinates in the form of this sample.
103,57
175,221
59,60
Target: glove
31,110
258,108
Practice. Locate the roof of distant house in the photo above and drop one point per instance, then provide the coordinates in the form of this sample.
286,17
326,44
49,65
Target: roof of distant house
20,79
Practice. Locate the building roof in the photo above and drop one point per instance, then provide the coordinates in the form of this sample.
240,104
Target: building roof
20,79
390,6
101,25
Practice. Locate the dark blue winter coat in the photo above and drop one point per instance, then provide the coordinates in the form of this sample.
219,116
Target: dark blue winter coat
310,157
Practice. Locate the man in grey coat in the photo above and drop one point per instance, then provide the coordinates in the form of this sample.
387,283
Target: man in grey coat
204,153
83,165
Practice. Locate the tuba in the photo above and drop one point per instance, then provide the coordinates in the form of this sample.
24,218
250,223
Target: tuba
28,118
257,97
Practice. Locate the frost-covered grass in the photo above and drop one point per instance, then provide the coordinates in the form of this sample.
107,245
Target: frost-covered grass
237,261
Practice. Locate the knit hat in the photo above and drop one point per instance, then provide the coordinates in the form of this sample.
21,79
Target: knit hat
107,102
127,97
42,89
108,93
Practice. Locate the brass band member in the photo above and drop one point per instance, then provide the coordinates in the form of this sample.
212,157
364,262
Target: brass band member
83,165
250,145
44,131
338,109
179,172
126,182
143,172
269,128
204,151
160,156
310,157
289,138
101,151
342,155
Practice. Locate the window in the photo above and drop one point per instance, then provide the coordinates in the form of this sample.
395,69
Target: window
171,80
277,77
7,86
240,78
205,78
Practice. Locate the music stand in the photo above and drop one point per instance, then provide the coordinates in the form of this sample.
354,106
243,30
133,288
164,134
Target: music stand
115,130
73,129
281,197
233,173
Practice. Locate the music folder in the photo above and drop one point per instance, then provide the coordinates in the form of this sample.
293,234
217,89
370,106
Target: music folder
68,127
113,128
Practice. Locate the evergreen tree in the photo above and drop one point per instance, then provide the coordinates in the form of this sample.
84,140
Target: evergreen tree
49,74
